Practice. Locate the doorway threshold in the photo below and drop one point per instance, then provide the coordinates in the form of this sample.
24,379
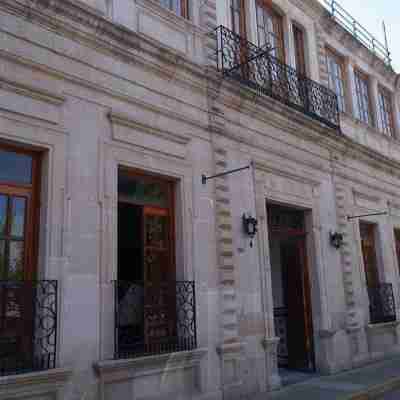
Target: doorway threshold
291,376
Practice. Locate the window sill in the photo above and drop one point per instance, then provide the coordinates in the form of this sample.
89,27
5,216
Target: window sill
383,325
179,21
39,383
142,365
360,124
171,30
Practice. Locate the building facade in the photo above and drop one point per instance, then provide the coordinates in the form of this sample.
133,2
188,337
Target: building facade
131,266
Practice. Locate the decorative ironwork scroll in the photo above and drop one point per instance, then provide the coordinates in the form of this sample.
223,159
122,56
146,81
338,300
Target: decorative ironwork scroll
382,306
258,69
154,318
28,326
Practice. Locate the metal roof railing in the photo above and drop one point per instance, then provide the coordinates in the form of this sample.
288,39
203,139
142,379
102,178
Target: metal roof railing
350,24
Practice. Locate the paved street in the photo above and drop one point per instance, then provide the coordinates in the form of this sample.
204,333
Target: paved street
395,395
359,384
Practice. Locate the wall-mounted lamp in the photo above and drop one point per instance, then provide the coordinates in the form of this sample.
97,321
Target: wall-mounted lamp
250,226
336,239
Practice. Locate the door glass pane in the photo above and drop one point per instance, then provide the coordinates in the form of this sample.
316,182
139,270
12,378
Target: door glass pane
16,260
18,216
3,214
2,259
156,231
15,167
133,190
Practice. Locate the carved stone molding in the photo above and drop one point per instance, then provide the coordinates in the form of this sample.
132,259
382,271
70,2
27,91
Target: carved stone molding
43,385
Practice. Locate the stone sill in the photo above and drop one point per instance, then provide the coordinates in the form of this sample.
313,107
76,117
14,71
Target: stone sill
129,368
42,382
171,17
384,325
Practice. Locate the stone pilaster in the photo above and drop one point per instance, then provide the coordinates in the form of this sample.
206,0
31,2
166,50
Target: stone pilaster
230,349
208,17
323,70
353,318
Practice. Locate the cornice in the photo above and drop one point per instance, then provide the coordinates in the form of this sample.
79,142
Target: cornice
265,166
125,120
32,91
330,27
277,114
83,24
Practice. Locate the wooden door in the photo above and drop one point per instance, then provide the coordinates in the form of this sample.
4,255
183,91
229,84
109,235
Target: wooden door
159,276
367,233
298,300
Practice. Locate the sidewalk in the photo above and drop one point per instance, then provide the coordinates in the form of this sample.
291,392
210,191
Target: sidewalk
364,383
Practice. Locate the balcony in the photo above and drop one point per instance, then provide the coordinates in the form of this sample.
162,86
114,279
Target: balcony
153,319
382,306
256,68
28,326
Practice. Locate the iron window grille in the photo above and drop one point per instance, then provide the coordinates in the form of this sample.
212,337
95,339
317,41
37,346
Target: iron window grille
255,67
154,318
28,326
382,306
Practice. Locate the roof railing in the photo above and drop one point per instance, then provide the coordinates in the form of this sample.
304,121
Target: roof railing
351,25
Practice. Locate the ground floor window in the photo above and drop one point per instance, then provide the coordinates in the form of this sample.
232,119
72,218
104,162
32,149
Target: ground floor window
155,313
23,298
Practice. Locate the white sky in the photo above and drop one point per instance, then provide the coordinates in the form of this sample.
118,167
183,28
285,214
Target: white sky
371,13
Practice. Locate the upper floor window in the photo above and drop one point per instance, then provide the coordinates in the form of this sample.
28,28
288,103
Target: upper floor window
238,17
363,98
299,48
270,28
179,7
336,77
385,112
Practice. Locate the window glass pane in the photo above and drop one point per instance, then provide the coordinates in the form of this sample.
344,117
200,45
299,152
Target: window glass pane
2,259
18,216
15,167
16,260
3,214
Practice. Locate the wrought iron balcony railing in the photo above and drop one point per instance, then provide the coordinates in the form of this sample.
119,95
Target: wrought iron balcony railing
351,25
381,303
154,318
258,69
28,326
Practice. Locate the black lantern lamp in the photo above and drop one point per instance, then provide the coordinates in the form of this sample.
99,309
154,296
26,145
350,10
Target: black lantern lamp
250,226
336,239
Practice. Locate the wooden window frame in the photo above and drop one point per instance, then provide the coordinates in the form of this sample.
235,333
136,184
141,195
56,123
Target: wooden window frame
299,41
361,77
240,30
32,193
342,99
184,6
385,112
277,22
